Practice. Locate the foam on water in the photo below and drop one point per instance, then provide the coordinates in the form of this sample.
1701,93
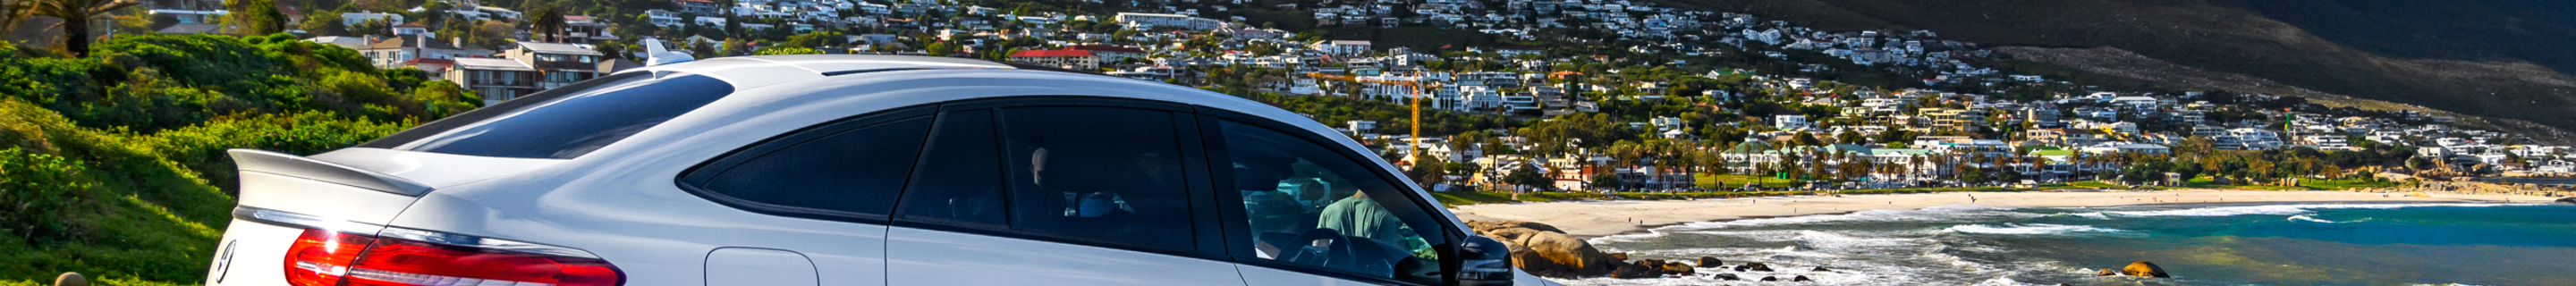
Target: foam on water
2307,218
1932,214
1934,246
2275,209
2090,215
1941,213
2001,281
2027,229
1819,239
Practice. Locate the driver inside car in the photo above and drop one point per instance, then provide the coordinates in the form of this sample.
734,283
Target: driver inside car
1298,216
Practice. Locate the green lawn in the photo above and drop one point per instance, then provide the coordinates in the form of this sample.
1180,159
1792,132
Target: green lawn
1470,198
2095,185
1711,181
2098,185
2304,185
2344,184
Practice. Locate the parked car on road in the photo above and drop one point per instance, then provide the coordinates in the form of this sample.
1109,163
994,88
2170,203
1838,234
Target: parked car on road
850,170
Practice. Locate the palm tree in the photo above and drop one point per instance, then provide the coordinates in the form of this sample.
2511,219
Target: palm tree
76,15
548,23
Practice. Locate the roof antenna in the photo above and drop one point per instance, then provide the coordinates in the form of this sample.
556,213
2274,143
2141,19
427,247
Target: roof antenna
655,54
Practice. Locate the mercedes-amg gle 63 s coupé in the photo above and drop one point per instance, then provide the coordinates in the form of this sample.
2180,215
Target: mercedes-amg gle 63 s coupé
850,170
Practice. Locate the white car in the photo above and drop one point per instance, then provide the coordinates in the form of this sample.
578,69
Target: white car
850,170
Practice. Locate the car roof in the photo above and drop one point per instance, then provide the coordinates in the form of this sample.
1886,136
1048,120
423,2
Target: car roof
755,71
770,87
781,94
749,75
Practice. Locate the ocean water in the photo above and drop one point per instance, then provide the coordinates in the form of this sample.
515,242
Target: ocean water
2298,244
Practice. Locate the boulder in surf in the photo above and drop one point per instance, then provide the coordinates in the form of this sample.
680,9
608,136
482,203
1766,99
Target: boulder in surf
2142,268
1678,268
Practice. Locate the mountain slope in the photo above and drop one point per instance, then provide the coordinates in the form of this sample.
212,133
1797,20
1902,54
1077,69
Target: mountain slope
2535,31
2476,73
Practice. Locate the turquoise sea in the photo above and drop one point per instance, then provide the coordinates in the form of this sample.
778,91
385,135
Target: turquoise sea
2298,244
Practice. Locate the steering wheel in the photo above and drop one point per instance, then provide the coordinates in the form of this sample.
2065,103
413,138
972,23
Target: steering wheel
1303,249
1338,252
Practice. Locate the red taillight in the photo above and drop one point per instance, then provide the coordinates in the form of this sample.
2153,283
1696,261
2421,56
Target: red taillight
320,257
404,262
324,258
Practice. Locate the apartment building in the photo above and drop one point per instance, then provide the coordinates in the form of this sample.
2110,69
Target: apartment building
558,64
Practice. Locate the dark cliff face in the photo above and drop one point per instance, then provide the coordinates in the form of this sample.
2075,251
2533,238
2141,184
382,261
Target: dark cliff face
2496,58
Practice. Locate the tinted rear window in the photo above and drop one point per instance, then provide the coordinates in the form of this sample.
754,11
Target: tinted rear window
960,181
1094,173
566,122
857,172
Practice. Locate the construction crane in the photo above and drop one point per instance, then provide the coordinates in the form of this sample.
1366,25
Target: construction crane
1414,146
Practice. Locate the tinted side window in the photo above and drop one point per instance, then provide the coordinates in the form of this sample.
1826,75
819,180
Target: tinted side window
1094,173
1310,205
960,179
565,122
851,173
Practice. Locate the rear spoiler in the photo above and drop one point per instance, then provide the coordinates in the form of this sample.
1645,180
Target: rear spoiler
282,164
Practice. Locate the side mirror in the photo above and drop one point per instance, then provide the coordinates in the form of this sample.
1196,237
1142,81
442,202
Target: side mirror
1484,262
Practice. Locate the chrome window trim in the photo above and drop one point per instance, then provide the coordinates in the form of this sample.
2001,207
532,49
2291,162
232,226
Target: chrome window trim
305,221
296,220
481,242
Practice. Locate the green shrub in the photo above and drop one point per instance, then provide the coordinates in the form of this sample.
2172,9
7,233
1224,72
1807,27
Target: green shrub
148,83
200,149
39,194
132,214
115,166
786,51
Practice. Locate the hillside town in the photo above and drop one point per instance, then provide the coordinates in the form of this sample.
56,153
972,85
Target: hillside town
1578,95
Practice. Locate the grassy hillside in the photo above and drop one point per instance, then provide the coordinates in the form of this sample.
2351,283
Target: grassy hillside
2485,74
113,165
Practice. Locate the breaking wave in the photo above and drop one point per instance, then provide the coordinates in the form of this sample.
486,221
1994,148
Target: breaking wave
2027,229
2307,218
1932,214
2274,209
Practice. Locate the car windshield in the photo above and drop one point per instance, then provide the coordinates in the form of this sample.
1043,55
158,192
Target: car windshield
566,122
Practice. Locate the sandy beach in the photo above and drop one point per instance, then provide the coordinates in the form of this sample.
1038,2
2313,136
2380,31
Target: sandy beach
1602,218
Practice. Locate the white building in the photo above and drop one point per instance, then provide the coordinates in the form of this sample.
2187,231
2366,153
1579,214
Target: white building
1666,123
2326,141
1789,121
495,79
1477,97
1152,21
1343,47
2249,139
1362,126
1521,101
664,18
